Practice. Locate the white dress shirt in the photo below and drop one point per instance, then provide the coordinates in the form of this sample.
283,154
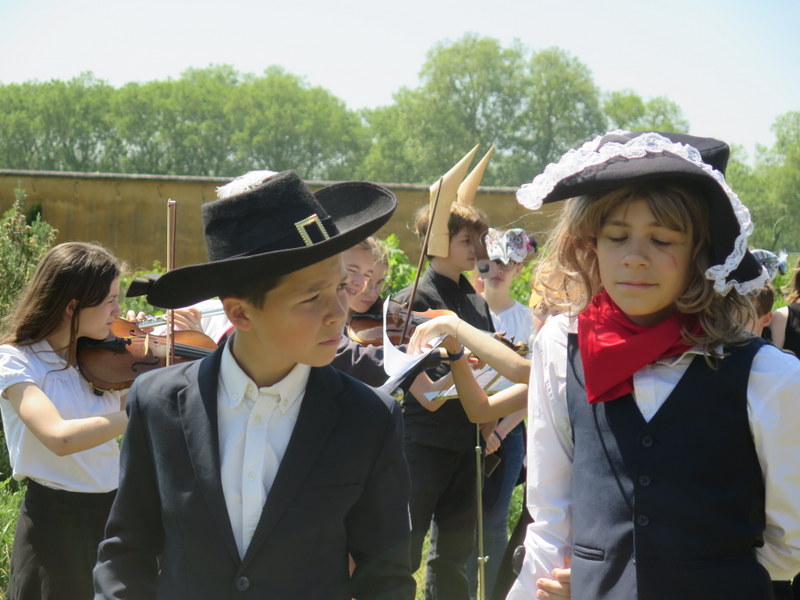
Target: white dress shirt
773,401
255,425
515,322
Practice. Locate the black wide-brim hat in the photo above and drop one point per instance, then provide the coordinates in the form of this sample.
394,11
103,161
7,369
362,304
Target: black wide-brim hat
623,158
270,230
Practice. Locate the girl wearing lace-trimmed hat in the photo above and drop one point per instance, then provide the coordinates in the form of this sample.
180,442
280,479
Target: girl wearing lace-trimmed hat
662,458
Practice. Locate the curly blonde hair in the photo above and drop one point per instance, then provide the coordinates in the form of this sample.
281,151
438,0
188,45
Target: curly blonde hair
568,276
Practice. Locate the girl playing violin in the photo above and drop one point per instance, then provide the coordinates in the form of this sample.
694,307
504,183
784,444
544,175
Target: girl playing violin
60,435
366,264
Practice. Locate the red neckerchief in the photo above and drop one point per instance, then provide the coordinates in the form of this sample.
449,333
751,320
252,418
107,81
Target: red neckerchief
613,348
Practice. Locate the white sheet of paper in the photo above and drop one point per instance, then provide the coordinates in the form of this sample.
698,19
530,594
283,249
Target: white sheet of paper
489,380
397,363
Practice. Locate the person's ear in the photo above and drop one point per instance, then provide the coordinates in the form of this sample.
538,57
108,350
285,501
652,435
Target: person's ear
766,320
238,312
72,306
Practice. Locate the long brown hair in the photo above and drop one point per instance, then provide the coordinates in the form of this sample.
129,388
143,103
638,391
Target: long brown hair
569,275
70,271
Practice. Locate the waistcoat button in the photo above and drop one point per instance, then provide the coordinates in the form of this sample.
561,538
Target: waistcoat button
644,480
242,584
647,441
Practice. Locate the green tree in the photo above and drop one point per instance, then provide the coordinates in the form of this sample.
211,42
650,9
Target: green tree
772,191
176,127
21,138
56,125
280,122
627,110
470,92
562,109
531,106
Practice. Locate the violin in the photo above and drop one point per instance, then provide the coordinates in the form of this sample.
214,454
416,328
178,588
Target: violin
128,351
367,328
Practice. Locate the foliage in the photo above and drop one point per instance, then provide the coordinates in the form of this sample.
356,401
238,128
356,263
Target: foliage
533,105
400,273
282,123
626,110
561,109
469,93
138,303
521,286
22,244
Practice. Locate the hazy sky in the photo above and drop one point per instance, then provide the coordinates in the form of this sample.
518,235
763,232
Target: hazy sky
732,65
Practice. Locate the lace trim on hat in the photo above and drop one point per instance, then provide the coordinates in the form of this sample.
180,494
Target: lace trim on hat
531,195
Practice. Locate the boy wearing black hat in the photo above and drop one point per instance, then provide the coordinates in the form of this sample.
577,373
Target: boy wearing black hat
254,472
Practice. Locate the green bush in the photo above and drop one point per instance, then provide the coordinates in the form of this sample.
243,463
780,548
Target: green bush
400,273
22,244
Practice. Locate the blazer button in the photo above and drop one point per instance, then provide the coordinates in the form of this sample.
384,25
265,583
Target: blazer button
647,441
643,520
644,480
242,584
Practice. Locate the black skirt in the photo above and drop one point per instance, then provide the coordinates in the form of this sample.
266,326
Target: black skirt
55,544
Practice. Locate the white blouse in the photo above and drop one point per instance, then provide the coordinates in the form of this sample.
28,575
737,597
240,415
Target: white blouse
94,470
773,400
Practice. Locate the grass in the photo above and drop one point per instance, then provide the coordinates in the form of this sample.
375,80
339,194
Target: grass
514,511
10,497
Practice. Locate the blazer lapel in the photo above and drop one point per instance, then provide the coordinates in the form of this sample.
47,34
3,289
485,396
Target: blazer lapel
198,406
315,421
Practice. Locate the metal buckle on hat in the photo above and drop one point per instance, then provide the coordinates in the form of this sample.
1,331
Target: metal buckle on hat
305,223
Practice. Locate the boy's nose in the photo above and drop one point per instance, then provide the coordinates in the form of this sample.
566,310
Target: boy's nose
337,310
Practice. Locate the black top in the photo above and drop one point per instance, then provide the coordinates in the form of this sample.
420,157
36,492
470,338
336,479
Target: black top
449,426
365,361
792,341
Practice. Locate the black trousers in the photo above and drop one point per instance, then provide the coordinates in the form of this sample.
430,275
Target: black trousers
443,497
55,544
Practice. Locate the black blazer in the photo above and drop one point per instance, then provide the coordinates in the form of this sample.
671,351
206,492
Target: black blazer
342,487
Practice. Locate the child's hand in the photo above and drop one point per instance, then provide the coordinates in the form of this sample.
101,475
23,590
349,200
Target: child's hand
430,330
557,587
492,444
188,319
486,431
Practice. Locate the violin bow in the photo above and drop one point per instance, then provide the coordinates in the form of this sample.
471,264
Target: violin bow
172,209
421,263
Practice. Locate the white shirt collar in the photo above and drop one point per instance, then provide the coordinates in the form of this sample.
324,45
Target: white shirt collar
239,386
